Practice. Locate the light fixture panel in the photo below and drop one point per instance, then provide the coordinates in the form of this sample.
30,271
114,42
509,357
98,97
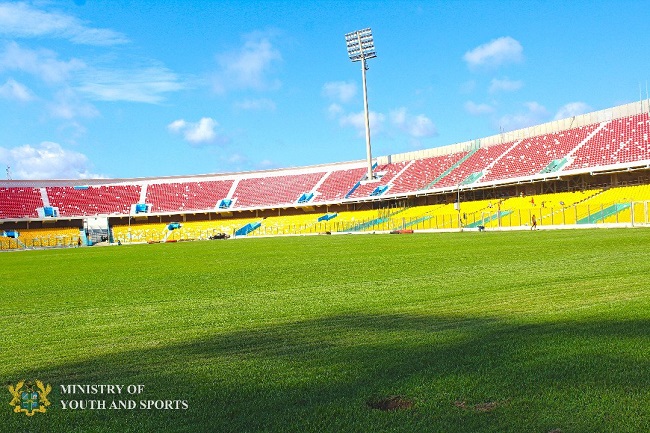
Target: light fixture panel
360,45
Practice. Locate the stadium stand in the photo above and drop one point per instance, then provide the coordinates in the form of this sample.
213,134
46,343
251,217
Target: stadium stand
599,164
532,155
549,209
620,141
422,172
616,205
274,190
384,174
414,217
186,196
9,244
346,221
338,184
190,230
473,167
138,232
42,237
291,224
379,221
639,199
19,202
93,200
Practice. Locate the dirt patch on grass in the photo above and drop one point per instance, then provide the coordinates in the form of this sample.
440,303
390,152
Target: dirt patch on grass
394,402
488,406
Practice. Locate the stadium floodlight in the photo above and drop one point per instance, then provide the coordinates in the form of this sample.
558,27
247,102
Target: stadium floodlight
360,48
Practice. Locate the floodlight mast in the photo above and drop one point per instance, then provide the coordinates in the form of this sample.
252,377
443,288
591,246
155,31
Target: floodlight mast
361,47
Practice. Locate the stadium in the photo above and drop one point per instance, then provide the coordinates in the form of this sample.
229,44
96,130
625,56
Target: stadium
586,170
497,284
496,332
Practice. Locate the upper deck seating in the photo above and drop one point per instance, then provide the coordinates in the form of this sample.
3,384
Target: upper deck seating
424,171
93,200
534,154
479,161
389,171
19,202
338,184
182,196
274,190
622,140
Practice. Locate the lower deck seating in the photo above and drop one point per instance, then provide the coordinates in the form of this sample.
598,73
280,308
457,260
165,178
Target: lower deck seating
548,209
42,237
291,224
617,205
352,220
190,230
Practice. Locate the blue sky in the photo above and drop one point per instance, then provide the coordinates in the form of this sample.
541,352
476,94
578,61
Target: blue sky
133,89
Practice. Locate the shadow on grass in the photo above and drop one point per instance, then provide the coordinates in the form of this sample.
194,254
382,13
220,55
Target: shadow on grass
318,375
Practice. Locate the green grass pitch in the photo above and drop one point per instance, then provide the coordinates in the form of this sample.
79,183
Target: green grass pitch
471,332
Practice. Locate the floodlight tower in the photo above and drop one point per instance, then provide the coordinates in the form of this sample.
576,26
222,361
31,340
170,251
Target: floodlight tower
361,47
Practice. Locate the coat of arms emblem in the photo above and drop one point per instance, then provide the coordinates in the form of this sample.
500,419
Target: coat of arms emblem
30,398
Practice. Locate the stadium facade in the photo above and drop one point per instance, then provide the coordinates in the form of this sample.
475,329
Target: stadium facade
594,152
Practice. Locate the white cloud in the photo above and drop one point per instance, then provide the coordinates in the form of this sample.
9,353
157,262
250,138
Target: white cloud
147,84
478,109
418,126
42,63
200,132
177,125
415,126
335,110
68,105
494,53
256,104
248,67
358,121
23,20
15,91
196,133
535,114
504,85
572,109
340,91
46,161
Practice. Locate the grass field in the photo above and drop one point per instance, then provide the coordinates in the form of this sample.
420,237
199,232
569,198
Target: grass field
476,332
